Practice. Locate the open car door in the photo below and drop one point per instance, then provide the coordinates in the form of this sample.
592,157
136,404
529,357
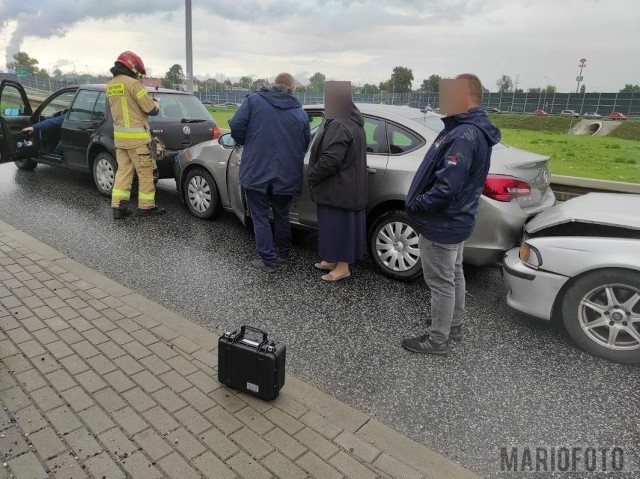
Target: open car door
237,199
15,113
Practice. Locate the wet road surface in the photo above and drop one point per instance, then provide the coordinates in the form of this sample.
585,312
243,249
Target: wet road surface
512,381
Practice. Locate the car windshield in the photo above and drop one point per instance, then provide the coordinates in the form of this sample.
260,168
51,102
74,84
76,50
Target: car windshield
180,108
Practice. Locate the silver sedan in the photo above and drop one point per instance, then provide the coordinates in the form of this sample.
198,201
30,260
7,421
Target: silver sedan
580,262
397,139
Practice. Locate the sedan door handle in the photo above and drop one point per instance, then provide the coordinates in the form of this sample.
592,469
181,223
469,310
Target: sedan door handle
371,171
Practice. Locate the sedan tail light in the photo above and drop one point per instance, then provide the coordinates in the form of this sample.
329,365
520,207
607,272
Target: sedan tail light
216,132
505,188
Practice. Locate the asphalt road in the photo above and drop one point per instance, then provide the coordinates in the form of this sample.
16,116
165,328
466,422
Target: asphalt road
512,381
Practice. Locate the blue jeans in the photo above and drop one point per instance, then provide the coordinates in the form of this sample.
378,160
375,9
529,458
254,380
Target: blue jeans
442,270
270,246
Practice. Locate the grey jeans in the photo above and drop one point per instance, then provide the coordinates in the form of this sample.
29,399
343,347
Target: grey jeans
442,270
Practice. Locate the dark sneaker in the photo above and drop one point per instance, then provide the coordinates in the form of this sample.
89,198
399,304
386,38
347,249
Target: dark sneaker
456,333
155,211
259,264
120,213
425,345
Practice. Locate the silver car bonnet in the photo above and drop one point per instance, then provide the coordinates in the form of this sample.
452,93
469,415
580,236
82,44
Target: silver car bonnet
613,209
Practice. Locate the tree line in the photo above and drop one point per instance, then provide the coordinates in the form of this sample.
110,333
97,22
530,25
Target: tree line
400,81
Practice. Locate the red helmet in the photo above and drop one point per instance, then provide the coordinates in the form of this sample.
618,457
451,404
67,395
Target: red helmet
133,62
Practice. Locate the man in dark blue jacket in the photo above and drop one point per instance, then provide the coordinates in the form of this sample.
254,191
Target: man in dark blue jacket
274,130
443,203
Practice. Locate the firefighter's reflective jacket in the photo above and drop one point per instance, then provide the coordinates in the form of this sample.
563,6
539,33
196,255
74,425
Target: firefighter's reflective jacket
131,106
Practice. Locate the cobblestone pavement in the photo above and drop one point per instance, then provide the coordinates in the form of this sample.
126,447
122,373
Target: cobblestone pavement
98,381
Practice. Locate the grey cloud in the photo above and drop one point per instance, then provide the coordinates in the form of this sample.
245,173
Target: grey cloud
39,19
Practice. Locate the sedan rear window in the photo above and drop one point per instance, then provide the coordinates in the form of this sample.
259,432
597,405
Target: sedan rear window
180,108
435,123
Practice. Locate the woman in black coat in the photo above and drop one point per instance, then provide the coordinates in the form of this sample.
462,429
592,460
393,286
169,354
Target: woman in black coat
337,177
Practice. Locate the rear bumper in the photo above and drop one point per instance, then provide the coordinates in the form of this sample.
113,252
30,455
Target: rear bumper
499,227
530,291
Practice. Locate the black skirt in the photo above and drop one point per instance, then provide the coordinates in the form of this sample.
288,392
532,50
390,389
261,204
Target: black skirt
342,234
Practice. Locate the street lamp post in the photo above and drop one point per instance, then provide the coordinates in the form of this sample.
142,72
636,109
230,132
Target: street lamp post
189,46
546,90
583,63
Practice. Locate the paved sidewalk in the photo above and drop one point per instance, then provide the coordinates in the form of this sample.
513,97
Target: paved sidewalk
97,381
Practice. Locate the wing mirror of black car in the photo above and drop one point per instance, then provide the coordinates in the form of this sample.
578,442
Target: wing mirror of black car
11,112
227,140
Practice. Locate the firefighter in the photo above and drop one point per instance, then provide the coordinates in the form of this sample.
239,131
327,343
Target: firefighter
131,106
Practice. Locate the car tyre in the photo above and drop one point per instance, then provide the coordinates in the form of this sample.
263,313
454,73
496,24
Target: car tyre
201,194
104,172
393,245
601,303
26,164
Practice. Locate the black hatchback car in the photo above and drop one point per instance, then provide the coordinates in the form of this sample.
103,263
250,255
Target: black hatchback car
86,135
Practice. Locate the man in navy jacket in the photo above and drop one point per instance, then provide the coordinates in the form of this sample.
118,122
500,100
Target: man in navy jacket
274,130
52,123
443,203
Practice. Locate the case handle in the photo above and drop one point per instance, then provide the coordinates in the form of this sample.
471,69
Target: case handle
264,335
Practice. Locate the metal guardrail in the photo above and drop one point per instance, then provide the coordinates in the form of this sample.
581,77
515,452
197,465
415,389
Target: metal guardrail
566,187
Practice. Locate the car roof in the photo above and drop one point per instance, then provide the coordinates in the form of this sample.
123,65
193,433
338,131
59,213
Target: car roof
609,209
390,112
103,87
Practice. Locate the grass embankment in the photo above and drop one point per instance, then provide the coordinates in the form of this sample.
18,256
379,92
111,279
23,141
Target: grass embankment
557,124
222,116
599,157
614,158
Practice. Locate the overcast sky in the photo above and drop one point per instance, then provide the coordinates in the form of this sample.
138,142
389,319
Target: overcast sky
359,41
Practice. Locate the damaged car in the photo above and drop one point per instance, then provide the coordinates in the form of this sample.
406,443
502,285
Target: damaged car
579,262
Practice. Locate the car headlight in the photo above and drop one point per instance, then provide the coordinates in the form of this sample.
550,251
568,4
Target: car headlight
530,255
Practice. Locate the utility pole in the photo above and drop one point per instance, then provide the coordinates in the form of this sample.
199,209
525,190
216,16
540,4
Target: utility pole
583,63
515,85
189,47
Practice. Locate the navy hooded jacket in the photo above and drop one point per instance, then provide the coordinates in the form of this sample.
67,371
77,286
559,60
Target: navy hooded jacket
444,195
274,130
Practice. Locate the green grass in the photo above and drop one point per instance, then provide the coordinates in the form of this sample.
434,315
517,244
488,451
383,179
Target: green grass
627,130
558,124
222,116
599,157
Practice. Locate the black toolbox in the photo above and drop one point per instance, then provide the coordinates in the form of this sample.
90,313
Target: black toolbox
249,362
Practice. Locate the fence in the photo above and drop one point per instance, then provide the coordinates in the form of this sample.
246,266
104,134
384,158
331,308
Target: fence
603,103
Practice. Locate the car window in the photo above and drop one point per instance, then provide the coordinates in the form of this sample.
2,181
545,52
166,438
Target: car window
57,104
100,107
315,120
82,108
175,108
11,103
374,130
432,122
402,140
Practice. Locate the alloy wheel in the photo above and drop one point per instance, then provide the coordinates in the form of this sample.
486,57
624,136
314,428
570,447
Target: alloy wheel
610,316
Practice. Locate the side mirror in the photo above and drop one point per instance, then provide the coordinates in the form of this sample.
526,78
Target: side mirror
227,140
11,112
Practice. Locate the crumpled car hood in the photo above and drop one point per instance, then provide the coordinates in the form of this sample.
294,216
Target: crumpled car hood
612,209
